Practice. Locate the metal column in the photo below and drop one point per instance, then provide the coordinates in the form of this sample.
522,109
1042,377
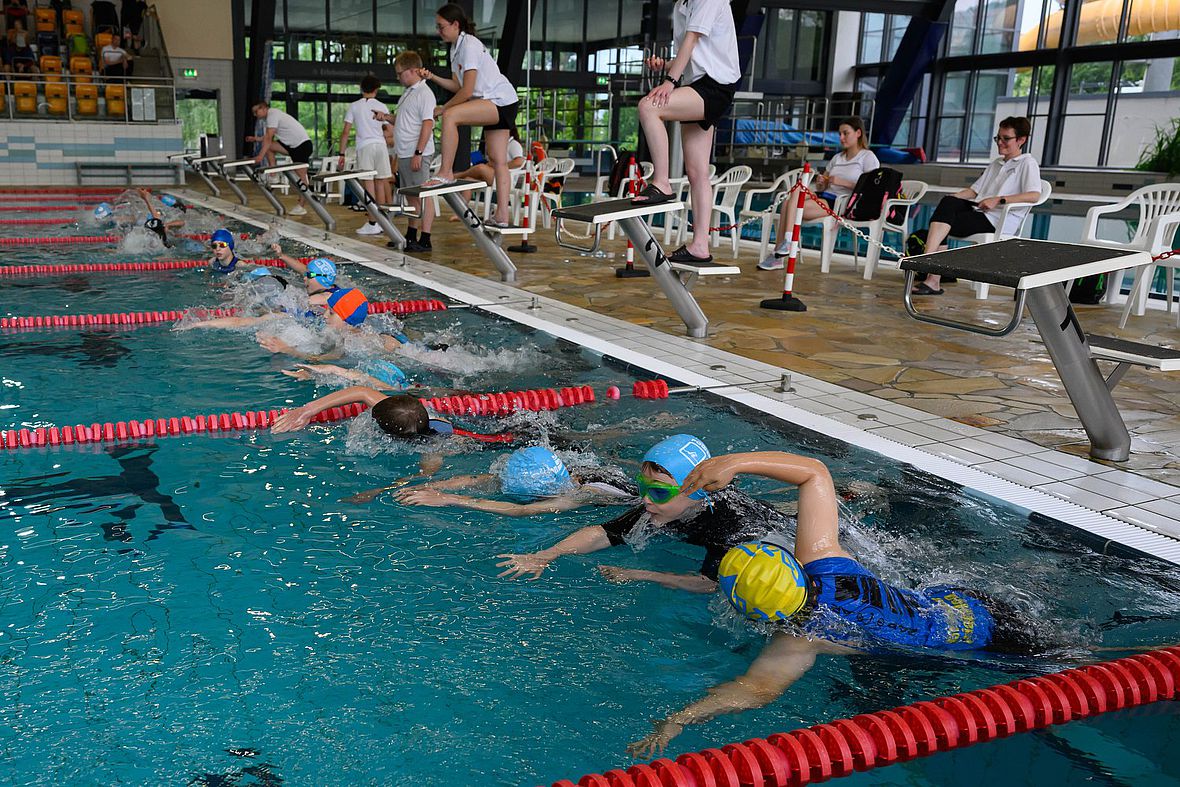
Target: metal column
488,246
377,215
653,256
229,182
1066,342
326,217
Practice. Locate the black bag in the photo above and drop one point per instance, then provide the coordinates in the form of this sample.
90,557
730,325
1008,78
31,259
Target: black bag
618,173
1088,289
871,191
915,244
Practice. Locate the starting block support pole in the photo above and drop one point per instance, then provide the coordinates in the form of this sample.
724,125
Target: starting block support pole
376,214
293,178
649,249
248,166
489,247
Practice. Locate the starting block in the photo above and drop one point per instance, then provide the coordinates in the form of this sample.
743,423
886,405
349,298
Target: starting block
1038,271
480,233
250,168
289,172
351,178
675,279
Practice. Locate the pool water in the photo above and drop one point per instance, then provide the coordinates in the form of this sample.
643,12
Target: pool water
205,609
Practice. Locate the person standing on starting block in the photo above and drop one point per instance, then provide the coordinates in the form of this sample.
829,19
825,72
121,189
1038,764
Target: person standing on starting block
287,133
483,97
697,90
364,115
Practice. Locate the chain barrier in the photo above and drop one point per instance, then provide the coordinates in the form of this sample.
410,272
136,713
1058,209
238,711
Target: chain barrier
1165,255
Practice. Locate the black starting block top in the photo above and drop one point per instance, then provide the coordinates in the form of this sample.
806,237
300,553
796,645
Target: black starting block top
1023,264
283,168
434,191
354,174
1163,358
612,210
242,162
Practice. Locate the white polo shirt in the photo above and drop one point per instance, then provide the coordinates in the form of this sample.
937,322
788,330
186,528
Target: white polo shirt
360,115
716,52
469,54
851,169
288,130
1002,178
414,108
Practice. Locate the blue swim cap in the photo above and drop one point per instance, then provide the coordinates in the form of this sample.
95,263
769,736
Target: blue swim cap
103,210
679,454
168,199
224,236
323,269
255,274
534,472
387,373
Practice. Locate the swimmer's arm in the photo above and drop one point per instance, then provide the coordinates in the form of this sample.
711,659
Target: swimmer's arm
693,583
818,533
501,507
580,542
289,261
300,417
276,345
782,662
221,322
353,375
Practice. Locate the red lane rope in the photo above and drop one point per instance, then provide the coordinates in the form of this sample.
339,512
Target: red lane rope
64,190
504,403
136,319
207,236
60,240
873,740
118,431
124,267
46,220
38,208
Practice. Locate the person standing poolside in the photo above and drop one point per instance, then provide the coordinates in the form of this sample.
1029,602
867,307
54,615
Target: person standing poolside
715,522
483,97
413,144
1012,177
822,601
838,180
697,90
286,132
363,115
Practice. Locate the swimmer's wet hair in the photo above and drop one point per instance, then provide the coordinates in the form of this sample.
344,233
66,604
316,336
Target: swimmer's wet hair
401,416
650,469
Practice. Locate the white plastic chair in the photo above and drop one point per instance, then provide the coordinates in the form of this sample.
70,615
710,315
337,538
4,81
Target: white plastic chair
981,289
646,170
726,190
561,170
678,221
325,191
767,217
911,194
1159,215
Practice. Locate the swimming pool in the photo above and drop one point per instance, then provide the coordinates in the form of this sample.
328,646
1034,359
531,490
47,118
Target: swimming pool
204,607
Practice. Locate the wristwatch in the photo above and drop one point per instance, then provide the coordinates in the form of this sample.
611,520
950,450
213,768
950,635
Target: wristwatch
1003,201
673,80
417,153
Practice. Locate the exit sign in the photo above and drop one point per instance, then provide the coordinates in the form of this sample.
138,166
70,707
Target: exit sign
603,80
189,73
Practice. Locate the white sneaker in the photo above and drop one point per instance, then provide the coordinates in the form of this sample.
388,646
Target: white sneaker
372,228
298,210
771,263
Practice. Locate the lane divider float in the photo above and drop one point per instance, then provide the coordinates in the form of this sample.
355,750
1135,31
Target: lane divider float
38,208
64,239
124,267
43,220
872,740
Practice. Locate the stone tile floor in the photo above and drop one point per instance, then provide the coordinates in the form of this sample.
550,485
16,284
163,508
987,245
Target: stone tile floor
856,334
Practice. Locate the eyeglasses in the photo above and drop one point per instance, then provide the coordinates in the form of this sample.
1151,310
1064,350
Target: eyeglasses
219,244
441,27
998,138
656,491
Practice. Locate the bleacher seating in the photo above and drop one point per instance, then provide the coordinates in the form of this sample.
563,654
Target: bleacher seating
86,100
46,20
51,68
101,40
72,17
82,69
26,97
116,96
57,97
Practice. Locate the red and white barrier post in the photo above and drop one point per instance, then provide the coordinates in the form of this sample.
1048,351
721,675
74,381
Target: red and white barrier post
630,271
788,302
524,247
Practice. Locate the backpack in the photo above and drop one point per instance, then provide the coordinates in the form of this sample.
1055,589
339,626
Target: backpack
870,193
915,244
618,172
79,45
1088,289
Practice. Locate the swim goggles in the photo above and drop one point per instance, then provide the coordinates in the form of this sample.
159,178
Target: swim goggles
656,491
310,275
219,244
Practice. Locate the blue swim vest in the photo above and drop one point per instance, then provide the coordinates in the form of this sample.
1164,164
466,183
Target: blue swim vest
851,603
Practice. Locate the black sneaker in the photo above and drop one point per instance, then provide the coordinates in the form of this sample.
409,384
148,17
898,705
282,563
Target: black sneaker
415,246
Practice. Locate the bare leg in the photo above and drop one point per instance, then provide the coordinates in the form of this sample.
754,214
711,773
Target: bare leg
698,146
685,104
935,237
497,149
477,112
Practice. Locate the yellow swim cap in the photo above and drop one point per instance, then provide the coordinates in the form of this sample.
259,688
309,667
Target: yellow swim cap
763,581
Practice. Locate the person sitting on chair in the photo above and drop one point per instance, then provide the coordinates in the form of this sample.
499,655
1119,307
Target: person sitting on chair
1013,177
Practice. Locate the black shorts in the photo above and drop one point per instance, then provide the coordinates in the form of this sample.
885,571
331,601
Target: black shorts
962,216
507,120
300,154
718,99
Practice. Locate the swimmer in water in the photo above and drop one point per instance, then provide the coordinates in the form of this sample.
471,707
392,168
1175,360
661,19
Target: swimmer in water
381,375
716,521
156,222
824,601
535,476
224,260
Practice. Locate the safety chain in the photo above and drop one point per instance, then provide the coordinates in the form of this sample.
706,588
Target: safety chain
1165,255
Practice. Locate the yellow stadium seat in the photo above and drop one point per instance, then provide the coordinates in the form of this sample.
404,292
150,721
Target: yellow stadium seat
82,69
26,97
73,30
46,20
57,98
51,68
101,40
116,97
86,98
72,16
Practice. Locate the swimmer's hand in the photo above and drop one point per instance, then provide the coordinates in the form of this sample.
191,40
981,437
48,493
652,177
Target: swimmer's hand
425,496
370,495
712,474
292,420
619,574
656,742
517,566
274,344
298,374
276,248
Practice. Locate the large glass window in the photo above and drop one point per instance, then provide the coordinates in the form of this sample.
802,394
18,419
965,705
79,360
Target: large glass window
793,46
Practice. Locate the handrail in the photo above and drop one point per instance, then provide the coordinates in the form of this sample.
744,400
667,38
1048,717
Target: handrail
72,82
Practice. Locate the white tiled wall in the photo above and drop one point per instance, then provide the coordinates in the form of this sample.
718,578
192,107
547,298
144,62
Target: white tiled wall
44,152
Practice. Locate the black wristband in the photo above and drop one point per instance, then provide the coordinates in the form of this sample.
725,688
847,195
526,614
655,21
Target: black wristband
417,153
673,80
1003,201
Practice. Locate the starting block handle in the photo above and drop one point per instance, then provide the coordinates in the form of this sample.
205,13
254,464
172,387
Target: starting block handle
1017,314
592,249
